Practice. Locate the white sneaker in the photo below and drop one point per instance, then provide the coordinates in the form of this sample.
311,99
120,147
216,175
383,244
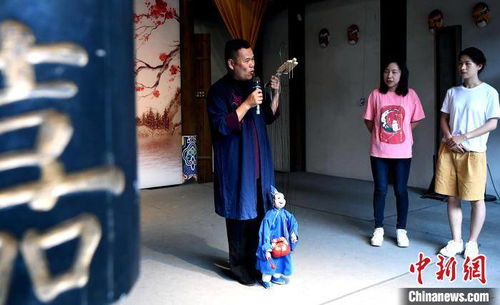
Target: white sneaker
471,250
378,237
402,238
452,248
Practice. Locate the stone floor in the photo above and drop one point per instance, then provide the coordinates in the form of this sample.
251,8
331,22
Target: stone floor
184,247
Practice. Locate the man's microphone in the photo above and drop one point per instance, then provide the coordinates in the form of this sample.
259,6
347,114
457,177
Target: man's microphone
256,85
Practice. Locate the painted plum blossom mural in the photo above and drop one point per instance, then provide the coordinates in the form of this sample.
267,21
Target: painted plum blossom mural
157,86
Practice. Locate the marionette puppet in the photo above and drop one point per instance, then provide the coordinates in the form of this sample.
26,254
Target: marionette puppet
278,236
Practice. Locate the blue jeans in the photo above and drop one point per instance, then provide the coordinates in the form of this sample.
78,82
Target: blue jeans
400,169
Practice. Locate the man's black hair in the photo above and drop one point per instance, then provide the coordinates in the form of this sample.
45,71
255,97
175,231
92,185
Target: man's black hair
232,47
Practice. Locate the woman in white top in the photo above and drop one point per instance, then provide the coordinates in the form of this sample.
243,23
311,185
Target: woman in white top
469,112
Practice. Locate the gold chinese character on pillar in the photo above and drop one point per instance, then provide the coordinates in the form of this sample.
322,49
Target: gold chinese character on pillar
18,55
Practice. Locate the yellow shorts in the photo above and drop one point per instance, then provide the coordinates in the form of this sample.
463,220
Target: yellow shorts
461,175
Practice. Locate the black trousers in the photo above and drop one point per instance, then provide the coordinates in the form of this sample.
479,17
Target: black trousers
243,239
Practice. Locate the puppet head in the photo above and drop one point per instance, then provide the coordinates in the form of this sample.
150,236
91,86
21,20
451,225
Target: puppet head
435,20
481,14
353,34
279,201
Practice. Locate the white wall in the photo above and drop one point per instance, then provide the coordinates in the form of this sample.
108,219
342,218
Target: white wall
421,61
336,78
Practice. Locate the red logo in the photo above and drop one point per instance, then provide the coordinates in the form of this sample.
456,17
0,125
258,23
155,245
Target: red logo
473,269
448,268
420,266
391,124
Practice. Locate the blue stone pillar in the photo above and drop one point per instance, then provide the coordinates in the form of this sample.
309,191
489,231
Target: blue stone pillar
69,214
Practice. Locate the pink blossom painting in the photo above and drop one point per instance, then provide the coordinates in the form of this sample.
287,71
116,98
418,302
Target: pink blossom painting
157,86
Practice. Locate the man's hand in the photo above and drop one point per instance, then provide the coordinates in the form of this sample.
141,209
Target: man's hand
275,86
275,83
293,237
268,254
255,98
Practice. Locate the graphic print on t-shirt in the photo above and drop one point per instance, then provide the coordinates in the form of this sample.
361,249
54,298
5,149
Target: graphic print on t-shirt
391,124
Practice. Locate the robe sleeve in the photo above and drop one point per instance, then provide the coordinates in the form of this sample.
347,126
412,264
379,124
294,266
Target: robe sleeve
293,227
223,121
264,237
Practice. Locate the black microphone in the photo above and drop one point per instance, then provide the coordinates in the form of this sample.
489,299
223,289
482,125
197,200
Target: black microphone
256,85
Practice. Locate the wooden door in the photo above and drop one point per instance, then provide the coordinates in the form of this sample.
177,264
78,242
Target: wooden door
202,81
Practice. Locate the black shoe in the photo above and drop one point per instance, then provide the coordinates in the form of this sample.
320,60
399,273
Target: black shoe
246,281
243,276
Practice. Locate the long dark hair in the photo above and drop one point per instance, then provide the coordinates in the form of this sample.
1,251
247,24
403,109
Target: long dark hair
402,88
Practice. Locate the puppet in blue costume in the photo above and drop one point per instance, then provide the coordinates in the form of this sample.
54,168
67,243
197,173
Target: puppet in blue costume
277,228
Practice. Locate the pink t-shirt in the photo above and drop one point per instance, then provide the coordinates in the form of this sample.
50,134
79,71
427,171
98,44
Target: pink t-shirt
392,116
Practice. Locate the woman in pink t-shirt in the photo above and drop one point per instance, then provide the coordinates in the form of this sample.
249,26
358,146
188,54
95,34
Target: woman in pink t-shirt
392,111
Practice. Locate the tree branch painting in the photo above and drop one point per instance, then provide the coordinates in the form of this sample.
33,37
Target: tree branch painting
157,86
159,68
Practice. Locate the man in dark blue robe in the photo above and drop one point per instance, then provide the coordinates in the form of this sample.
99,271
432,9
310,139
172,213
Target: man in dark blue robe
243,168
